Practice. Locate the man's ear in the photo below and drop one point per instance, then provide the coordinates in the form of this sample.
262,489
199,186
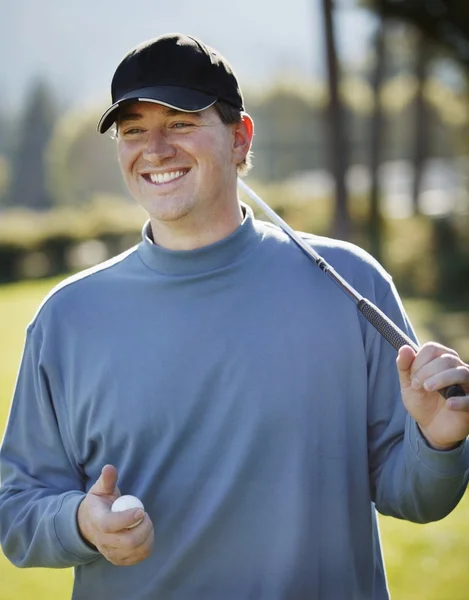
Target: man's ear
243,134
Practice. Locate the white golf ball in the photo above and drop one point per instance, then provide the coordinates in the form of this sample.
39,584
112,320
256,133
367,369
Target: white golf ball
125,503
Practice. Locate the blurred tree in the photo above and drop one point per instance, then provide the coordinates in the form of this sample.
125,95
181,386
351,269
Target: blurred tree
7,126
6,133
341,226
447,115
34,130
422,128
4,178
287,119
375,219
465,130
290,115
444,21
409,52
81,163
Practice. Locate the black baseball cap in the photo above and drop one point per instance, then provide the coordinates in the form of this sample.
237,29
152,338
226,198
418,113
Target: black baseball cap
176,70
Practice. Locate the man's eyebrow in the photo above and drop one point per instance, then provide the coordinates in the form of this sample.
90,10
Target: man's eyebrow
129,117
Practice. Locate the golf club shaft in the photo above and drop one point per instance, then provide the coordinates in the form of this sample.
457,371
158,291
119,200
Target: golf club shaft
383,324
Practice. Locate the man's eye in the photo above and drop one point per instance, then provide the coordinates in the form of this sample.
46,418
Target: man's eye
133,131
181,125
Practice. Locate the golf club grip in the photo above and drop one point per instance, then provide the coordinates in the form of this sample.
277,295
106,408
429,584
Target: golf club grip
397,338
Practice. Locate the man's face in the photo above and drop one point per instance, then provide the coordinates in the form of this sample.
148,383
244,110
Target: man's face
176,164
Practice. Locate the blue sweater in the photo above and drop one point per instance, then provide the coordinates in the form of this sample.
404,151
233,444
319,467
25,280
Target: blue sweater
244,400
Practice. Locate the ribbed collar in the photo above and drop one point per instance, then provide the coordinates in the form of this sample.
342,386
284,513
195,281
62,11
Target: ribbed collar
201,260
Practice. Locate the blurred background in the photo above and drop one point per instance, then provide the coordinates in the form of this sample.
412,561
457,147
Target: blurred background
362,133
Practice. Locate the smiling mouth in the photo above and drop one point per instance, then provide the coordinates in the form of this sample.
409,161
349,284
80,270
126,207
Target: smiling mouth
167,177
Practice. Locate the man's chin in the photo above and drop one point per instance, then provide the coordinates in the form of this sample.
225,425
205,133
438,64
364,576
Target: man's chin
169,210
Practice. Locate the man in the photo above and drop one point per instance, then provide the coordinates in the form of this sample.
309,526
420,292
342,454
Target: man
216,374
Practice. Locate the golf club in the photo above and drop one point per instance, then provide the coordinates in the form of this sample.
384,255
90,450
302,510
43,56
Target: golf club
383,324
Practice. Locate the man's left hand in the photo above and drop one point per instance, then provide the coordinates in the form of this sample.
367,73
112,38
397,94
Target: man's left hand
443,423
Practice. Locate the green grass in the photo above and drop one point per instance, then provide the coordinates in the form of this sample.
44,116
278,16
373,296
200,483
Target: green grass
424,562
18,304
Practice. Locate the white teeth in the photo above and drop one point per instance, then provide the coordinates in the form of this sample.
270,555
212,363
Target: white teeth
165,177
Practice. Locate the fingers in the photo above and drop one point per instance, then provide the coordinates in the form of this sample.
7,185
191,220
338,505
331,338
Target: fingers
460,404
128,546
112,522
436,367
422,374
133,545
123,538
405,358
443,378
431,351
117,535
106,485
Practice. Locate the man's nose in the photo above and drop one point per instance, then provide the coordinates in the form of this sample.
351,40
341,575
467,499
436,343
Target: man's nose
158,146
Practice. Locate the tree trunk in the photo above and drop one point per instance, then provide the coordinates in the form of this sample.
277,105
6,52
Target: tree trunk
341,226
375,220
421,121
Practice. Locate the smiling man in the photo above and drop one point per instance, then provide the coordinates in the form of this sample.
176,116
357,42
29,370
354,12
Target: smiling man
179,166
216,374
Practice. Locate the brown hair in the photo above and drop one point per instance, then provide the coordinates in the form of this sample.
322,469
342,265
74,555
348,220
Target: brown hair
229,115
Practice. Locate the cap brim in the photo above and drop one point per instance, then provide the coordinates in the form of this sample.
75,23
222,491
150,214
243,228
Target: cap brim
183,99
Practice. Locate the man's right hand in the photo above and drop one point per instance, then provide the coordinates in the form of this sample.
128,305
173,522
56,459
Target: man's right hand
107,530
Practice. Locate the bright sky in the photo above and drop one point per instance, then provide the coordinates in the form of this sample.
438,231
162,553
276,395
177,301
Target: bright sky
77,45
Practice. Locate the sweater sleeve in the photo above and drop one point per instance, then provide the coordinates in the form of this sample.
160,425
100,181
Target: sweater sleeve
409,479
41,487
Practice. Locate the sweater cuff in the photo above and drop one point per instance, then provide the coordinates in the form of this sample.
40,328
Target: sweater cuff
68,533
446,463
